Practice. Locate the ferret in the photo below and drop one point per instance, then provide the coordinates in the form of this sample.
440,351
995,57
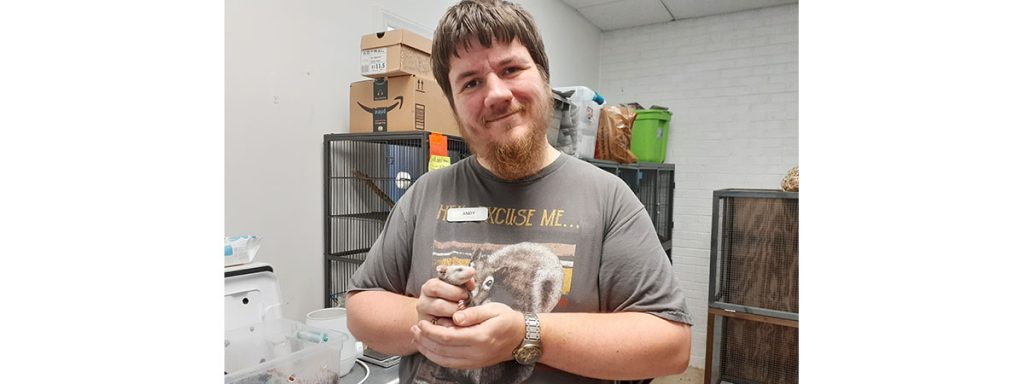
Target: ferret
532,277
458,275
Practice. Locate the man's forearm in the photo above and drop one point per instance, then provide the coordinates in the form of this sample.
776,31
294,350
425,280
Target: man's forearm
616,346
382,321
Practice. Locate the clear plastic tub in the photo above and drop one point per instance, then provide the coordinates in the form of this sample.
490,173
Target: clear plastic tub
578,114
282,351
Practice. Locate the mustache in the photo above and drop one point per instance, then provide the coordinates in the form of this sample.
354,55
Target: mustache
510,111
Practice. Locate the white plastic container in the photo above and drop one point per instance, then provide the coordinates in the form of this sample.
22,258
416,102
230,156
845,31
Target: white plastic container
251,295
577,130
260,346
335,319
282,351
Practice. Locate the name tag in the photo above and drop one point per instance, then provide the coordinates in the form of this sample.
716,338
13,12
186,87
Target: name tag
467,214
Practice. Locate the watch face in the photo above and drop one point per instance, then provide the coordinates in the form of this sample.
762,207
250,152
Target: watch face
528,354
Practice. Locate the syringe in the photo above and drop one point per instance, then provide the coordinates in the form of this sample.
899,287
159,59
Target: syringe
312,337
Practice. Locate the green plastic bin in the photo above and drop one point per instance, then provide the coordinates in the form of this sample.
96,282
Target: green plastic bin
650,135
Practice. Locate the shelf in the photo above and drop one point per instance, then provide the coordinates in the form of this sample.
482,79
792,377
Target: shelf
345,256
389,178
375,216
635,166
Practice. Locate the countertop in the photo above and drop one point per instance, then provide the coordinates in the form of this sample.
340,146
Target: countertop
378,374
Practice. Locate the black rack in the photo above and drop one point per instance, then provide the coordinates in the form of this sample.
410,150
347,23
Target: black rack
364,175
654,184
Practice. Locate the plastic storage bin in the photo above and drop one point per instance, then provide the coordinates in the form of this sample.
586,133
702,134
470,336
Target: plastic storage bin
282,351
577,115
650,135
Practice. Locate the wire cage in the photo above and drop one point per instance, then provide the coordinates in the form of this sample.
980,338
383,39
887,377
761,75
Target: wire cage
753,301
364,176
654,184
746,351
754,252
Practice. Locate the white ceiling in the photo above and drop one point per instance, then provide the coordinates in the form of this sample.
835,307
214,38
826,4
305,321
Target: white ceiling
615,14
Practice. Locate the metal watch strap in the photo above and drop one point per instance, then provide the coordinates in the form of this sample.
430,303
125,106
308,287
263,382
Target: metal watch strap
532,327
529,350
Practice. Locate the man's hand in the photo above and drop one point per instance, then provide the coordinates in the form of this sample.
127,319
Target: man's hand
483,336
438,301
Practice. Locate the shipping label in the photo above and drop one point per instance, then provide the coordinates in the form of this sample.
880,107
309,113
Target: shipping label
374,61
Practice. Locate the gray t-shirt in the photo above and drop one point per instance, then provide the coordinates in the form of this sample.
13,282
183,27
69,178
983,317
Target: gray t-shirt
573,238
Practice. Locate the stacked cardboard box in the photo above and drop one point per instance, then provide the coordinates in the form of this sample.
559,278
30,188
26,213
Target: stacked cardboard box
402,95
395,53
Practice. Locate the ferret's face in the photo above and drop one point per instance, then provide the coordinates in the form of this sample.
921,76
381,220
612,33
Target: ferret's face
455,274
456,271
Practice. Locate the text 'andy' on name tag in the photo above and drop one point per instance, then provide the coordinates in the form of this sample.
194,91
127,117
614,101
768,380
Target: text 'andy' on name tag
467,214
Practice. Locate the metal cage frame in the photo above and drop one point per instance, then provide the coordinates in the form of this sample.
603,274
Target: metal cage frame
716,274
784,325
647,181
350,257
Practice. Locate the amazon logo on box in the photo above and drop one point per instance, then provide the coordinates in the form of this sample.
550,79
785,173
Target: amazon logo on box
401,103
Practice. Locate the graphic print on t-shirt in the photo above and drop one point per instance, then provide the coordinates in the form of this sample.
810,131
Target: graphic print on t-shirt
523,258
458,243
528,277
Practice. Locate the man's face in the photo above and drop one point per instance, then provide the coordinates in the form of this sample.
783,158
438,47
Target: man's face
503,104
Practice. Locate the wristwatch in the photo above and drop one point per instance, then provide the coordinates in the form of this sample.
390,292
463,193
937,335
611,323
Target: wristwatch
529,351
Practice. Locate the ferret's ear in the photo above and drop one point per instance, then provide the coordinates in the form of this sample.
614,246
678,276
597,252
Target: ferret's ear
442,268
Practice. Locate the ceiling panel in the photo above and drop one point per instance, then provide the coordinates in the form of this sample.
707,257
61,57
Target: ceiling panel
625,14
684,9
586,3
615,14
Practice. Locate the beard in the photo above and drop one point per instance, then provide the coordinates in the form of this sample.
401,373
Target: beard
519,157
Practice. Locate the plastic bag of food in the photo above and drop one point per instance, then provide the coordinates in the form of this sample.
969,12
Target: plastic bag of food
614,134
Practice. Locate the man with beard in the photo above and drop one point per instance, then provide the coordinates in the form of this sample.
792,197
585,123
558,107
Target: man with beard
619,312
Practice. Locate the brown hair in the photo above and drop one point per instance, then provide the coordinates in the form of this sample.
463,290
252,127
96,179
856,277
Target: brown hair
485,20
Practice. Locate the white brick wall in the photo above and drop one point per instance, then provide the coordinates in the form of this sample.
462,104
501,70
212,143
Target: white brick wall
731,83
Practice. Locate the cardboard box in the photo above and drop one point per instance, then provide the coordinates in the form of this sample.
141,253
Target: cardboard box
404,103
395,53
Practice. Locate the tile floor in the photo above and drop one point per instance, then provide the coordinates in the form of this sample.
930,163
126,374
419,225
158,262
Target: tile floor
693,375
